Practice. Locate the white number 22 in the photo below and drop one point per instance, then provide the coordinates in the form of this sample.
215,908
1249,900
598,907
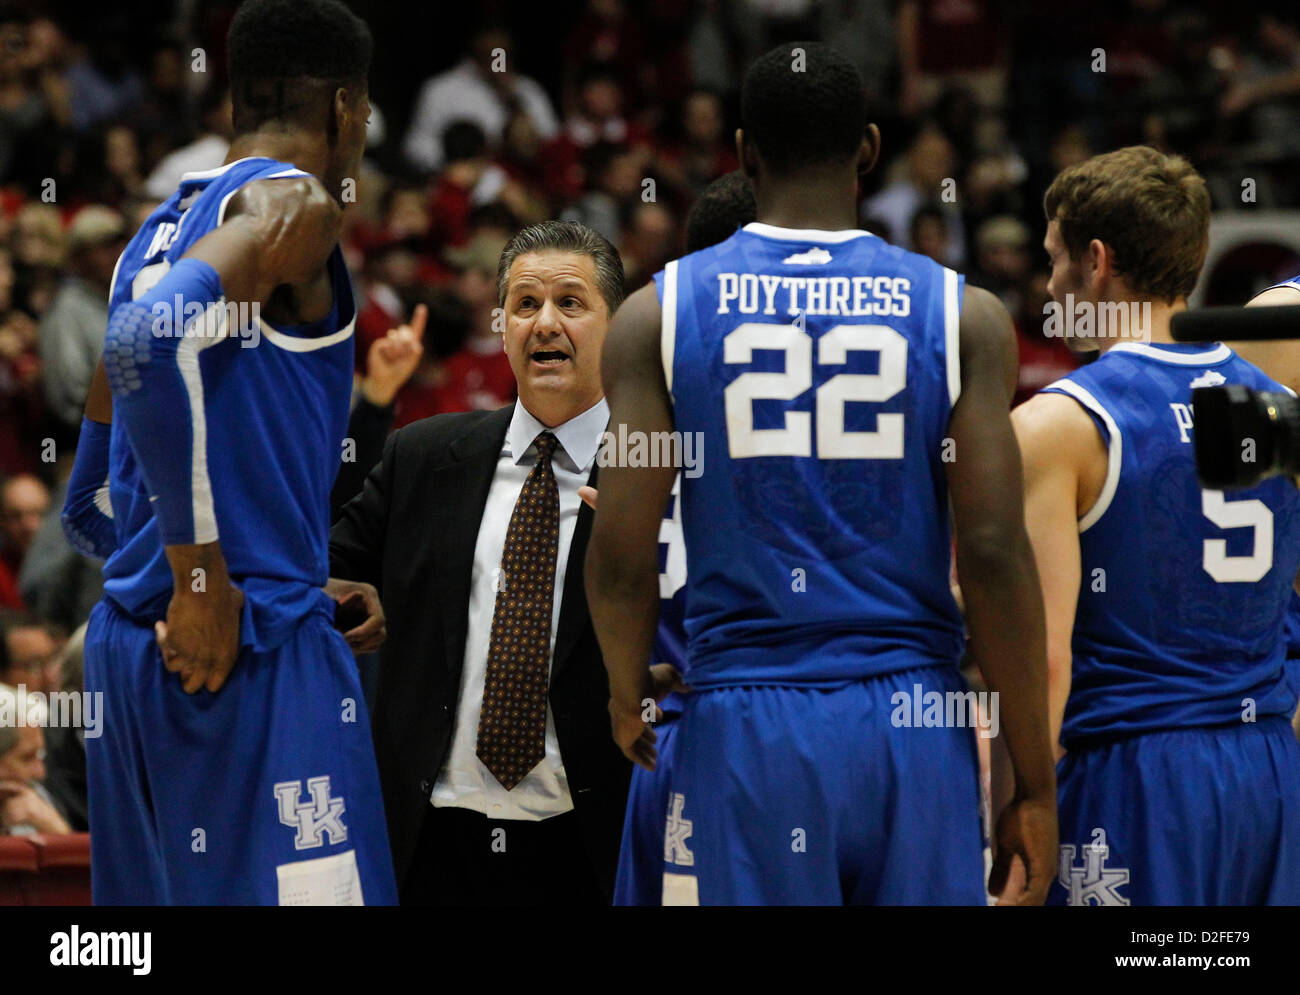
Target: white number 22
795,437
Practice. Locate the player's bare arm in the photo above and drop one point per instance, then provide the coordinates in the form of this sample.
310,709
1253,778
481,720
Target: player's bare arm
271,252
1065,466
1004,608
1279,358
622,570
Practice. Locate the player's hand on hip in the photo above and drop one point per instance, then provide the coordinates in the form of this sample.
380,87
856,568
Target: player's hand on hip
634,736
200,639
1027,829
665,679
359,600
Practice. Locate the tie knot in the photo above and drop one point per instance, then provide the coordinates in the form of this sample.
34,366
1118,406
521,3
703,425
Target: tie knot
545,444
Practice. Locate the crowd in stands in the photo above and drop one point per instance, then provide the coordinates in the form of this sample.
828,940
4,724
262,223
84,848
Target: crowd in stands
618,119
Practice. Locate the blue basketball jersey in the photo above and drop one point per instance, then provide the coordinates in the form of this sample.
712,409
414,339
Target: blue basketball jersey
1293,612
819,370
1184,590
269,426
670,637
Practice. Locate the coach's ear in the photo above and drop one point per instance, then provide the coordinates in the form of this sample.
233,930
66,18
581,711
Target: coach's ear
870,150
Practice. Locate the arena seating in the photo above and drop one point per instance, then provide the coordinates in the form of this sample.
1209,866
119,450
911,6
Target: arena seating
45,870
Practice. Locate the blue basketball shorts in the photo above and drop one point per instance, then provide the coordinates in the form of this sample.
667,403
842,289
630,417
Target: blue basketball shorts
264,793
819,796
1186,817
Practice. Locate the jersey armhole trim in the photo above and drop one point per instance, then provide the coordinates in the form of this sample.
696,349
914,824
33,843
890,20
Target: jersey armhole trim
1114,449
668,323
952,335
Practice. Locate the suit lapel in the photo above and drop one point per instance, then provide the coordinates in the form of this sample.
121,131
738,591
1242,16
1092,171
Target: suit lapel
463,484
574,616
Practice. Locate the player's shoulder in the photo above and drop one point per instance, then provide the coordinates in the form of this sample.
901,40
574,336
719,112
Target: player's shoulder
272,193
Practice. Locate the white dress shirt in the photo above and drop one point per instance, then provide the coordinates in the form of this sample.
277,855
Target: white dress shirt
464,782
462,92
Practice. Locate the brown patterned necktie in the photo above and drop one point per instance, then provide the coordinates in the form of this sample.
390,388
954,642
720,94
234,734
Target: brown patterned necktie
512,724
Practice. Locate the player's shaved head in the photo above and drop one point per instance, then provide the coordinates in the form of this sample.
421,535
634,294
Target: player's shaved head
725,205
803,104
287,57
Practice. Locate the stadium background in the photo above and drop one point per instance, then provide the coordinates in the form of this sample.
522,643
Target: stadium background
613,112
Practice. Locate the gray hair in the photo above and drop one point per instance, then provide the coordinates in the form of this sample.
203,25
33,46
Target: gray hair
566,236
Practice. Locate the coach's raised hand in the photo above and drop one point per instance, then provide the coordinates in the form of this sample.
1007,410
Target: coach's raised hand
200,639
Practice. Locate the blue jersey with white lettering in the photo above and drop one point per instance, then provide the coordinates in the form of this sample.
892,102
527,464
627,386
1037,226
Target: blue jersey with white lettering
1293,612
818,370
1184,590
670,635
270,420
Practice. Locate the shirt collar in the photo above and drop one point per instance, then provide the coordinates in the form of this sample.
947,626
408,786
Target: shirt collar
579,437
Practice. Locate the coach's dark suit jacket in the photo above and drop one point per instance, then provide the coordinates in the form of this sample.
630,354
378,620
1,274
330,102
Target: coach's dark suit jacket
411,532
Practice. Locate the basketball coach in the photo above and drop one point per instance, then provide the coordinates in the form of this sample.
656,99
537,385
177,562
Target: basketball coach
501,781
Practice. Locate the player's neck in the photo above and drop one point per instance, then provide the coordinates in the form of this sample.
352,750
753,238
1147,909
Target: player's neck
304,150
809,202
1147,321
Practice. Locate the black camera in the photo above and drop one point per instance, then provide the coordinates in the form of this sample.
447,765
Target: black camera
1243,436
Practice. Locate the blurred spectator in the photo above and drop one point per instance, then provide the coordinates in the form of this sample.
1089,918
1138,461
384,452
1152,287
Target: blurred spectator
473,90
1002,261
614,185
946,41
477,377
604,35
29,653
471,179
24,500
648,242
57,582
102,84
207,151
928,233
26,807
1268,84
33,99
65,745
597,113
1043,360
72,330
705,150
548,172
21,408
918,180
390,284
864,30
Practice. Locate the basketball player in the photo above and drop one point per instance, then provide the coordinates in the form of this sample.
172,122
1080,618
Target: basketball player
725,205
1280,359
824,370
1181,779
251,778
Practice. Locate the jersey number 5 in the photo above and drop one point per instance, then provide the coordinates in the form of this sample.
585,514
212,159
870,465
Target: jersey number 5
795,437
1253,514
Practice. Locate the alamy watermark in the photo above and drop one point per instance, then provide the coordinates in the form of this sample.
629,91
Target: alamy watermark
920,709
1105,320
221,319
681,450
23,709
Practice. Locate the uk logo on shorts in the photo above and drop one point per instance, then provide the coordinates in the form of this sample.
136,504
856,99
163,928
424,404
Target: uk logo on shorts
677,832
1094,883
322,814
